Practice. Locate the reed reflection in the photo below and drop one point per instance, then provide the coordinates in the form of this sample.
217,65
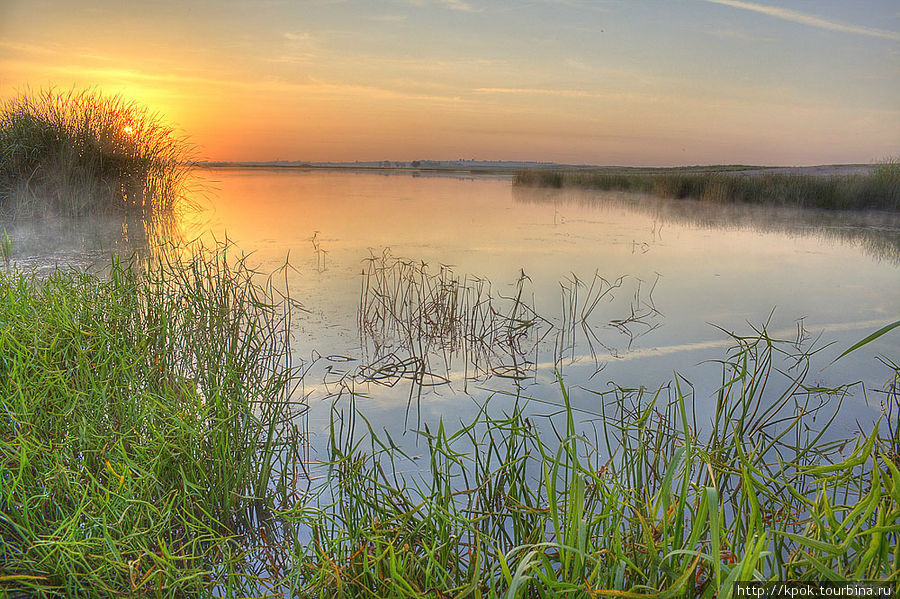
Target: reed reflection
875,233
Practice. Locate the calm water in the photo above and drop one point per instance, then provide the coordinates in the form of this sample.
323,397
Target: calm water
662,274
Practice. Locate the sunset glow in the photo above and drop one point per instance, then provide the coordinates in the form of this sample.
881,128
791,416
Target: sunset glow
606,82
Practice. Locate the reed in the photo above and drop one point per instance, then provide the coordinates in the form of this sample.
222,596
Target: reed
879,190
146,431
416,324
644,502
80,152
421,325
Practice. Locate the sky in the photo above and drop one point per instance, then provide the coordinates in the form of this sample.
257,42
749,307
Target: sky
627,82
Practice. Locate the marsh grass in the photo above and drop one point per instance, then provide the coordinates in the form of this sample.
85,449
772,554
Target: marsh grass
418,323
655,503
146,433
583,321
73,153
878,190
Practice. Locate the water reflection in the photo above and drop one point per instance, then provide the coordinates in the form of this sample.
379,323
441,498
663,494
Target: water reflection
421,318
876,233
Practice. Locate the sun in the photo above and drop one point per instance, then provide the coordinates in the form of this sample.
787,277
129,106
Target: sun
128,129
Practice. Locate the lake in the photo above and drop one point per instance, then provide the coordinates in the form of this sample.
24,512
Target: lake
605,288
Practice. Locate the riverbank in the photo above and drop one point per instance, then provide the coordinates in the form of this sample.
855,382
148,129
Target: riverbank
840,187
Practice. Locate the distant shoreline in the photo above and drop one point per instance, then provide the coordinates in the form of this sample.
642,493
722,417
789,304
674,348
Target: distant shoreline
499,167
829,186
513,167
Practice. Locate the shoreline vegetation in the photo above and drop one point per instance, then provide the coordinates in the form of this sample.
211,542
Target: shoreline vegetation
152,444
73,153
875,188
146,425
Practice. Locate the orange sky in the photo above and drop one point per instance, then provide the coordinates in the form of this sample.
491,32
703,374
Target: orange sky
603,82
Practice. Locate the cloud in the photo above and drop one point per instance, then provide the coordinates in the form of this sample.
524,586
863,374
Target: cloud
574,63
536,91
307,87
299,47
582,94
460,5
806,19
29,48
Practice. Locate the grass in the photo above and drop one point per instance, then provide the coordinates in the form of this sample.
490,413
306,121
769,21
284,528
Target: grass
427,325
145,429
646,503
149,447
878,190
76,153
416,323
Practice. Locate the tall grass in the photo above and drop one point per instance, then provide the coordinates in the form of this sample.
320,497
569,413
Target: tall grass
424,326
878,190
80,152
146,432
416,324
657,500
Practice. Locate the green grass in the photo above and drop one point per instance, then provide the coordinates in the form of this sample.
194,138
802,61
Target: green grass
650,503
878,190
76,153
145,432
149,447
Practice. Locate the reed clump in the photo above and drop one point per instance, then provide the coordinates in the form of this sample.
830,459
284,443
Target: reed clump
415,323
878,190
146,428
81,152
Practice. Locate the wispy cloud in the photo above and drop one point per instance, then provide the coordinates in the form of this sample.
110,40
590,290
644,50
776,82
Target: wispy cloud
298,47
296,37
574,63
460,5
807,19
199,85
28,48
578,94
582,4
535,91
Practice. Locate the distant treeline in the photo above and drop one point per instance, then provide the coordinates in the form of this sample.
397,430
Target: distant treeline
879,189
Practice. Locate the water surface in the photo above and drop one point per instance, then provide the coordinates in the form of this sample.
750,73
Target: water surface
665,273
